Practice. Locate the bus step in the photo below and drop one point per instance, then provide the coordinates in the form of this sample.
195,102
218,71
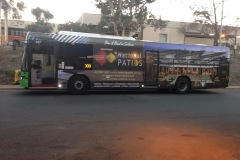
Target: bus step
151,87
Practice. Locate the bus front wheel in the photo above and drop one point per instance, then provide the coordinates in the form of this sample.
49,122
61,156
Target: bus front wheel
182,85
78,85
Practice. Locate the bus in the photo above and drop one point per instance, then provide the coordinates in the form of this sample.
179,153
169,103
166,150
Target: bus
15,36
79,62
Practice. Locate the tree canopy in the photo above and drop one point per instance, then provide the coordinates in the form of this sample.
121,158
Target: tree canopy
40,27
16,9
207,20
42,16
126,16
74,26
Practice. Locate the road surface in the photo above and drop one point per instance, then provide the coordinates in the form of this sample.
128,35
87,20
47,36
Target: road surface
53,125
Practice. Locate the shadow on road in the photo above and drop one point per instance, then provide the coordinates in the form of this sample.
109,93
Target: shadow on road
114,92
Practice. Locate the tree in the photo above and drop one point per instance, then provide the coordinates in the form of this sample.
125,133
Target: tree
206,21
126,16
42,16
76,27
16,9
40,27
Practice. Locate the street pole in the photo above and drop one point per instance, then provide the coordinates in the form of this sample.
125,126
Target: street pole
6,26
220,39
235,42
0,23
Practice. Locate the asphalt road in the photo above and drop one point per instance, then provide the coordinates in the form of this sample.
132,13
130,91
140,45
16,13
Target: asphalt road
53,125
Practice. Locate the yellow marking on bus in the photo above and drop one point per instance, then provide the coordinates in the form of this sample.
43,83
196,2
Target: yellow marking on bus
88,66
48,68
111,57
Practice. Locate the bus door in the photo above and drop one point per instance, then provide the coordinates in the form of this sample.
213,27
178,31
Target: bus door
151,68
224,72
43,68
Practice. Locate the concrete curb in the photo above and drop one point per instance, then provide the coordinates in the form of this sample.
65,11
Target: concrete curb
12,87
233,87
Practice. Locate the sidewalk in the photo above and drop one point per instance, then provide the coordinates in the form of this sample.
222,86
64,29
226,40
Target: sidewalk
233,87
9,86
13,87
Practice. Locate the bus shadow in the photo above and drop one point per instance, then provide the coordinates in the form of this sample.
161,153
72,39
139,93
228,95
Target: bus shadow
113,92
145,92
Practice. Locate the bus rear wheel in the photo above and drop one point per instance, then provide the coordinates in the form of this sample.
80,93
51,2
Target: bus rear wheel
182,85
78,85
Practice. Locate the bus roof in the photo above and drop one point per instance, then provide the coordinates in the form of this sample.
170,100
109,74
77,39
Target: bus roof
155,46
93,35
88,38
76,37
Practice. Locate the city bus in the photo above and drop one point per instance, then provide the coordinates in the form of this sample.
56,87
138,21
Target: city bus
79,62
15,36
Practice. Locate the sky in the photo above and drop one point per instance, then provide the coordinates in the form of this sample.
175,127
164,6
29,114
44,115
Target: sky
173,10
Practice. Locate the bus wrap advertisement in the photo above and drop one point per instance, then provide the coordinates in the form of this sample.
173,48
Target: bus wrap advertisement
116,66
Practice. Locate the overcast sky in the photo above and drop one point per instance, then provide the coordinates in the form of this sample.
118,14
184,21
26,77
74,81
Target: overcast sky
173,10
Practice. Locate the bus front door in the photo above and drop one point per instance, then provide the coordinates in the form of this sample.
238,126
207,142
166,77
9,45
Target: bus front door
43,66
151,69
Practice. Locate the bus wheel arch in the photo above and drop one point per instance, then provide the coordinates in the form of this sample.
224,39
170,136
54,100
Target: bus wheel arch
78,84
183,84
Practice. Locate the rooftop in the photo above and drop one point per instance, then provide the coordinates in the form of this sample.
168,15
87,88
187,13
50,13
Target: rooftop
89,18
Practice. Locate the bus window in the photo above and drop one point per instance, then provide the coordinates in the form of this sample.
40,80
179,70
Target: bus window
76,56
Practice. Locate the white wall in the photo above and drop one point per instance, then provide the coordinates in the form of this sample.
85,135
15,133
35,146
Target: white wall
195,40
172,30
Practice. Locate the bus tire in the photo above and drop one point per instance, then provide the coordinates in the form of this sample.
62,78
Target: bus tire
78,85
182,85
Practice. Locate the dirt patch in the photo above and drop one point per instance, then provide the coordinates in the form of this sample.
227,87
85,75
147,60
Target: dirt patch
6,77
235,70
10,60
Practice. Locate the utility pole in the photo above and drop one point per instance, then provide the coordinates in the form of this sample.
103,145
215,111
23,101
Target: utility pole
220,39
235,41
6,25
0,22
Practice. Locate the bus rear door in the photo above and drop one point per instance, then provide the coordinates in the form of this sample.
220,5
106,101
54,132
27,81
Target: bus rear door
151,69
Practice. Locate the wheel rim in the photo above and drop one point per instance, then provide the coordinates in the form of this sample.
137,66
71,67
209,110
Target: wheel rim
78,85
182,86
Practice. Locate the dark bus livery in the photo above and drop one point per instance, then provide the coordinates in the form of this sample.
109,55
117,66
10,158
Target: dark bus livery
80,62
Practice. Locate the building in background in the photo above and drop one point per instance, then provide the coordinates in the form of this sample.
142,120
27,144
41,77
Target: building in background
90,19
16,31
173,33
170,34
